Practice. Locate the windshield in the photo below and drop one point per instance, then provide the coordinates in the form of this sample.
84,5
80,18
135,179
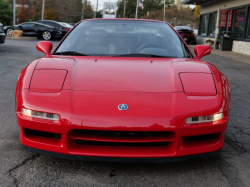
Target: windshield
123,38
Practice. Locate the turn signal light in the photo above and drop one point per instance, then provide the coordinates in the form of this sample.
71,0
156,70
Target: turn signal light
204,119
42,115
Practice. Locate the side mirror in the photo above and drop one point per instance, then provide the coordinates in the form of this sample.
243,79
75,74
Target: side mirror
202,50
45,47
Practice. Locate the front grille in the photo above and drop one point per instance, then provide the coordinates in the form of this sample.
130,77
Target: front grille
121,144
123,133
121,138
44,134
199,138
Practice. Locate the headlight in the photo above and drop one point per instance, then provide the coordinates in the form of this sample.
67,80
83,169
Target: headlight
47,81
5,27
42,115
204,119
198,84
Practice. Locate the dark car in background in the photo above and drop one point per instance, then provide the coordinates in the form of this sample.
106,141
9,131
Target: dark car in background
2,34
34,29
64,28
187,34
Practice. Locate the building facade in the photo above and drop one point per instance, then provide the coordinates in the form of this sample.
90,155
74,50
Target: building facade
217,16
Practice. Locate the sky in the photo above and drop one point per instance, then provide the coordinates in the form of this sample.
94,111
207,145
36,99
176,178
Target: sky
101,2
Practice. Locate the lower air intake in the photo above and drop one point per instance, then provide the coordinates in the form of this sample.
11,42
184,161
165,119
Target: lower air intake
121,144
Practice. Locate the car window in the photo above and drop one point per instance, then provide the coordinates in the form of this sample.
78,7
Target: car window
28,25
115,37
51,24
37,25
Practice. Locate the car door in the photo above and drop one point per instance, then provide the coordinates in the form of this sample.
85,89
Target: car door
28,29
55,25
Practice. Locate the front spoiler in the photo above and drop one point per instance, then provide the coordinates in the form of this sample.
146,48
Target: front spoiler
120,159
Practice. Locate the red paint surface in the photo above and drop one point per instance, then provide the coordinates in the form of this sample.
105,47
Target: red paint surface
151,87
47,81
202,50
45,46
202,84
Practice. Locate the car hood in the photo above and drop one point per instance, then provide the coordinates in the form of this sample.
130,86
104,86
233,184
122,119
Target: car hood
119,74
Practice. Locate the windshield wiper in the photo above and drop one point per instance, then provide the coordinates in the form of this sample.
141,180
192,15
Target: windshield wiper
143,55
70,53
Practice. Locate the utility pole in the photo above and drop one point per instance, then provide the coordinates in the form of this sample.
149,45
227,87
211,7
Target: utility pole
43,7
82,9
14,12
136,9
164,10
96,8
124,8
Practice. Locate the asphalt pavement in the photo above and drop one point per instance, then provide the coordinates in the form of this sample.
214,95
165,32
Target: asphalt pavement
231,167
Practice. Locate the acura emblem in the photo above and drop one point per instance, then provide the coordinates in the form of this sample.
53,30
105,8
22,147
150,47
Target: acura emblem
123,107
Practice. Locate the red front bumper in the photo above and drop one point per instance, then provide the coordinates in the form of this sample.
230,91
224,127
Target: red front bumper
86,111
66,143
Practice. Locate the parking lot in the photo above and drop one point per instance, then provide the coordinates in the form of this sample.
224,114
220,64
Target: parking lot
231,167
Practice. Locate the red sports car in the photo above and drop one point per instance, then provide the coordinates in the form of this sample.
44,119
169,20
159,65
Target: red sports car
122,90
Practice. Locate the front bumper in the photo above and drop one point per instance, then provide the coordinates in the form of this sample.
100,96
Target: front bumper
84,111
117,159
66,145
2,38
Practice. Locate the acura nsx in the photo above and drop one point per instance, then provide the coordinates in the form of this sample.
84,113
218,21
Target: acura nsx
122,90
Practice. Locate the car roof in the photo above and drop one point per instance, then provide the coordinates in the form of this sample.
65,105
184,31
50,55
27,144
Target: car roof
57,22
38,24
49,20
182,27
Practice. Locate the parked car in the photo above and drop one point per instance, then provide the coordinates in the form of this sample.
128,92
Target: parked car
63,28
38,30
122,96
187,34
73,24
67,25
2,34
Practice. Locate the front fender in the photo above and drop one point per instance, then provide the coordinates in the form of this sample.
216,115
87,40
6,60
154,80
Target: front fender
23,81
221,82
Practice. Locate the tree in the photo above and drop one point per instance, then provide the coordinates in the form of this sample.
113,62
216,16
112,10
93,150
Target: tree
169,3
149,5
175,15
25,12
68,11
197,12
5,13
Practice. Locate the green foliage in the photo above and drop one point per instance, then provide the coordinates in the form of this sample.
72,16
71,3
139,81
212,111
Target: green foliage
149,5
5,13
197,12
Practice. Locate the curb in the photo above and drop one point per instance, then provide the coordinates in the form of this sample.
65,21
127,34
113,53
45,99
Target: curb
21,38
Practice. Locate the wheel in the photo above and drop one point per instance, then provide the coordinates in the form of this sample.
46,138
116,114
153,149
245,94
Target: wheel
8,32
46,35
